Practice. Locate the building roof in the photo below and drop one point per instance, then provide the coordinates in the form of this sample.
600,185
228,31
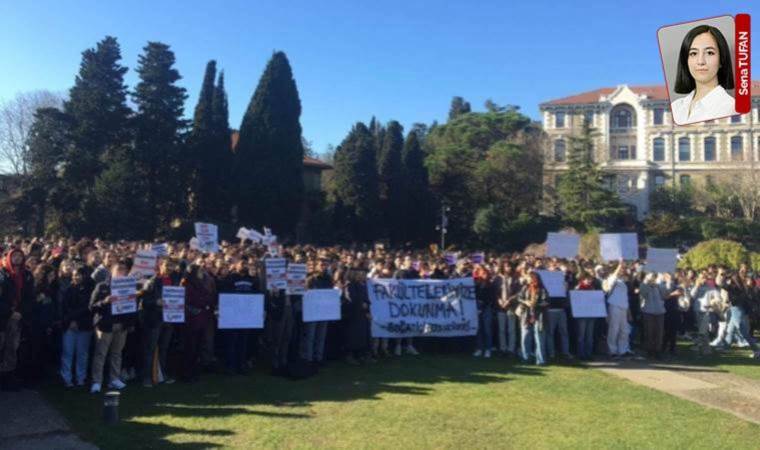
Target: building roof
656,92
307,160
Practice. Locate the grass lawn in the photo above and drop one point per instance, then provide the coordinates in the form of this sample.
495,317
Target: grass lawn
431,401
736,361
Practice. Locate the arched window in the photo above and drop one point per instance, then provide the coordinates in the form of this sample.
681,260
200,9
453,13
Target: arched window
559,150
710,148
684,149
737,148
659,149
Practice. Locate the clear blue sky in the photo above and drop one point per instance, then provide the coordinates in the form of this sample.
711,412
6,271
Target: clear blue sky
400,60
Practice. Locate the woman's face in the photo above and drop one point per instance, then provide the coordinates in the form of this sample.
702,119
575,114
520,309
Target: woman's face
704,58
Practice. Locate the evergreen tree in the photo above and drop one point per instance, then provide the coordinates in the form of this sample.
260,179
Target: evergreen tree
223,145
458,107
356,185
270,152
378,135
203,154
584,200
391,182
97,107
416,202
157,158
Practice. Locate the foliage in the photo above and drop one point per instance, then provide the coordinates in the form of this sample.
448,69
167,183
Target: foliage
719,252
589,246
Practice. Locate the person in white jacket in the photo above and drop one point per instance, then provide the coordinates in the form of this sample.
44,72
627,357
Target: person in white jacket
618,315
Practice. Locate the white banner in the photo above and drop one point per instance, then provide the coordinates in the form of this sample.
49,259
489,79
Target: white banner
174,304
277,273
588,304
296,279
144,265
562,245
408,308
125,291
161,249
207,236
615,246
241,311
661,260
554,282
320,305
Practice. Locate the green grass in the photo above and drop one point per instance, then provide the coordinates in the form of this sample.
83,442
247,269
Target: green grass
432,401
735,361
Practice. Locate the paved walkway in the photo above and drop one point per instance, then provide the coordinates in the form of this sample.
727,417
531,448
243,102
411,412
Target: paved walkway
711,387
30,423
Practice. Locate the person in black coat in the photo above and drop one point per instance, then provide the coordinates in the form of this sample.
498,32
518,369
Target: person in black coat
16,303
77,328
356,315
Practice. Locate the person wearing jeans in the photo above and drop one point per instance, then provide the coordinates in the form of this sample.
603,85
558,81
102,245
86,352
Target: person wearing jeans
485,296
508,287
77,323
533,303
315,333
584,332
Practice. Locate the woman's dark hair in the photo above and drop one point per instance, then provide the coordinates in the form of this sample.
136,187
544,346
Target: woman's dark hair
684,80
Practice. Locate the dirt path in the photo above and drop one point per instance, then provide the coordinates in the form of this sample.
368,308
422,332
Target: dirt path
707,386
30,423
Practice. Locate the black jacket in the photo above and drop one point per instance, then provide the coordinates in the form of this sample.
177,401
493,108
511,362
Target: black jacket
75,307
101,311
7,290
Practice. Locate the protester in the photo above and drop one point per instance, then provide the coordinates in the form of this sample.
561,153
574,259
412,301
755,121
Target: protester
77,325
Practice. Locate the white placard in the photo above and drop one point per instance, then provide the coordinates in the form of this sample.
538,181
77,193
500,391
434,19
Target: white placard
207,236
615,246
174,304
144,264
554,282
588,304
242,233
277,273
562,245
661,260
296,279
161,249
241,311
320,305
125,291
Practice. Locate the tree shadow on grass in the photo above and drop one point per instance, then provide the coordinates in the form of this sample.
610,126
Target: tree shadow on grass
147,414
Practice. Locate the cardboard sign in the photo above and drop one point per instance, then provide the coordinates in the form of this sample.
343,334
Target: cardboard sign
174,304
554,282
562,245
125,291
241,311
296,279
276,272
588,304
207,236
144,265
615,246
321,305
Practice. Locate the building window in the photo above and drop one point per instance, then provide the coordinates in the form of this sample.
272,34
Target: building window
684,149
659,180
588,117
559,151
658,114
685,180
633,152
709,149
659,149
623,152
737,148
559,119
622,119
624,183
736,118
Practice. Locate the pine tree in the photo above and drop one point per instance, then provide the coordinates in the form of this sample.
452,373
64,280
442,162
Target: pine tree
202,154
356,185
391,182
157,157
458,107
97,107
223,146
269,152
585,201
417,201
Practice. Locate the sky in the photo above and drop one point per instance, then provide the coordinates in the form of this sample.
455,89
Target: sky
395,60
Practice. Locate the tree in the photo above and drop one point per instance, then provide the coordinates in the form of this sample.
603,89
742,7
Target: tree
222,144
158,140
458,107
356,195
202,154
100,122
417,201
270,152
391,181
16,119
585,202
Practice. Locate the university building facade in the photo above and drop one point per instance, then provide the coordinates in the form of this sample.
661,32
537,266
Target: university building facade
639,148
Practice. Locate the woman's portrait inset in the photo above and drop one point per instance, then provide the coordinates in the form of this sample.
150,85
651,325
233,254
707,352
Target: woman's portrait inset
703,72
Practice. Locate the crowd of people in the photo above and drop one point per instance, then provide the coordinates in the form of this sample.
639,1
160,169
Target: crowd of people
56,320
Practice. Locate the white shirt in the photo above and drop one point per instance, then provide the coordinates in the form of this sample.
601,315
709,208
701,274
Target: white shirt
717,103
617,292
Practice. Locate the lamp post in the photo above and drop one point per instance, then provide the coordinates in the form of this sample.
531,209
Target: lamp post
443,225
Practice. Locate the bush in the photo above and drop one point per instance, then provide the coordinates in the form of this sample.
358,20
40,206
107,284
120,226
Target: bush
589,248
718,252
754,260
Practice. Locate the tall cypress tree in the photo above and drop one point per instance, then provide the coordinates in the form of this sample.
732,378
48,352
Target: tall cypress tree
270,151
160,106
458,107
391,183
416,204
223,149
356,184
99,113
202,152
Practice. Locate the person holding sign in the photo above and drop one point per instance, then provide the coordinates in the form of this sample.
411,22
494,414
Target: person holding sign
652,296
356,307
110,331
315,333
533,303
239,281
200,302
585,325
77,326
153,328
618,316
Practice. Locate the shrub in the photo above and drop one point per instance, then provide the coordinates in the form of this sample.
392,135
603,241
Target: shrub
715,252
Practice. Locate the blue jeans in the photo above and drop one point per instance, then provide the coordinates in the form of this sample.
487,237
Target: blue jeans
734,328
585,334
76,344
557,322
533,342
313,341
485,324
235,349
